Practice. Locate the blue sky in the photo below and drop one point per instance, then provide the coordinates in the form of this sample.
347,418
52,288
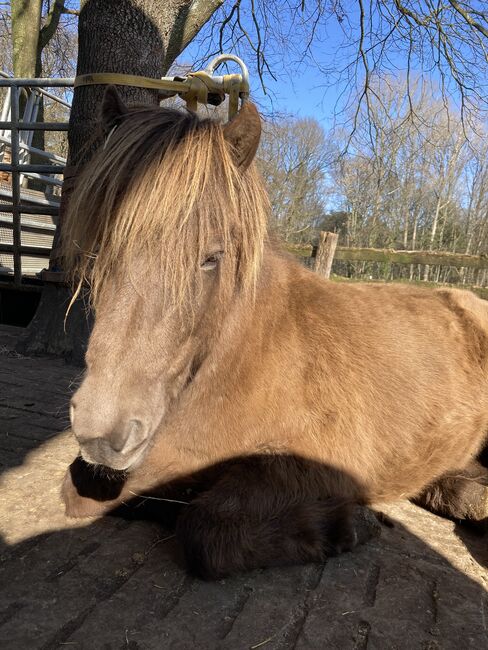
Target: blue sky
304,95
315,93
303,91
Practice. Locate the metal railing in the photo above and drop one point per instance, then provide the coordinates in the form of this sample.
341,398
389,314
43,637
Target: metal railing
19,166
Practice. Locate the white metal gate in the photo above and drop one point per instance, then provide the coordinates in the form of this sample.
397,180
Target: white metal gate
27,217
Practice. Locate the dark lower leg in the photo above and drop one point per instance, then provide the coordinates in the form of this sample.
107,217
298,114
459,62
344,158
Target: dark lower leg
461,494
267,512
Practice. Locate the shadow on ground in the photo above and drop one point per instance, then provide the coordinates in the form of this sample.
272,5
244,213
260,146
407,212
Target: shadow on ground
120,584
475,542
34,399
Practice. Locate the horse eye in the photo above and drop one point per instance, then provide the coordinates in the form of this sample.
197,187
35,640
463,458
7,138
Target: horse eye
211,261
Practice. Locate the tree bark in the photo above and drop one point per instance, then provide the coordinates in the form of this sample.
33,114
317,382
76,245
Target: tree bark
141,37
26,23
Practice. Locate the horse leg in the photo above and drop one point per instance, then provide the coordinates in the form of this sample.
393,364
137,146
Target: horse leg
460,495
90,490
249,519
93,490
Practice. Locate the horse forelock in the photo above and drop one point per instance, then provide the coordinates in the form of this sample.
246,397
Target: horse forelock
161,191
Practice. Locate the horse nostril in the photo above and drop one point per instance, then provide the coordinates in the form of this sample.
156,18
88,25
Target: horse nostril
128,436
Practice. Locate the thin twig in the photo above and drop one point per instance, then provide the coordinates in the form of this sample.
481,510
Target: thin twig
144,496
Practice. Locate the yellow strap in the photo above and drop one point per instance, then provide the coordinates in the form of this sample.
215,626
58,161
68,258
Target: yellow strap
194,89
105,78
233,98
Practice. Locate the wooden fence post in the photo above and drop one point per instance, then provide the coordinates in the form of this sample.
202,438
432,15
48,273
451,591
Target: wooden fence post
325,253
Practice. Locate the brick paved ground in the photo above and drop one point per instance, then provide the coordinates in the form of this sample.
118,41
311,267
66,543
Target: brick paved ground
117,584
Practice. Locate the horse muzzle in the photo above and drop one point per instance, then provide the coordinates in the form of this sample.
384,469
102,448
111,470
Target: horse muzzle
100,451
121,447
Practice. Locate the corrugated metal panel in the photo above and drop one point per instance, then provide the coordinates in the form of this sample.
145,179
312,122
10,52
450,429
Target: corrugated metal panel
30,234
6,264
30,265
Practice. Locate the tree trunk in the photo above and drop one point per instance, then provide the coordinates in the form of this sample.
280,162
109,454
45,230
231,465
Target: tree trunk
26,22
432,235
140,37
46,33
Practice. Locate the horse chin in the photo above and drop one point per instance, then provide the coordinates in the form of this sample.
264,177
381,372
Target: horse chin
117,461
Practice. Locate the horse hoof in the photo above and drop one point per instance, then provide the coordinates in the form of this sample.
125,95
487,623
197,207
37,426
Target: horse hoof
477,505
366,525
361,526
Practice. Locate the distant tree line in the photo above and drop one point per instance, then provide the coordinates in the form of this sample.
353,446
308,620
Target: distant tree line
395,183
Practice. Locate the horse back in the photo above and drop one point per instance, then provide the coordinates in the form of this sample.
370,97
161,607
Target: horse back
400,375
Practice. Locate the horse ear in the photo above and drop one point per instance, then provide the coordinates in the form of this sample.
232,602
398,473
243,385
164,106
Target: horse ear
113,108
243,133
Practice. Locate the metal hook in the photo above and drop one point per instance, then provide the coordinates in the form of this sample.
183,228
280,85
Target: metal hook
221,58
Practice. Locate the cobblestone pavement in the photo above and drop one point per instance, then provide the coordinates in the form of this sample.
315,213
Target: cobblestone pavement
117,584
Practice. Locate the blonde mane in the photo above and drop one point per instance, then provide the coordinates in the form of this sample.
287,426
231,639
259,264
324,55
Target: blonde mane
162,189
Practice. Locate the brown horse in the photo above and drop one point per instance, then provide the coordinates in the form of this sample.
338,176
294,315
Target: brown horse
213,349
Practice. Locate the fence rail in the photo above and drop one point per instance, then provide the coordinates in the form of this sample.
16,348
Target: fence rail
431,258
392,256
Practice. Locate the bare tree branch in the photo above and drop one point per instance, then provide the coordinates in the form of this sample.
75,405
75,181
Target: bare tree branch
188,25
51,23
468,18
442,40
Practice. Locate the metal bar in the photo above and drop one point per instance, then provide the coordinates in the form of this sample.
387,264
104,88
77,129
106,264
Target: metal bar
6,220
38,200
29,115
19,167
5,116
37,126
49,83
46,154
58,100
47,210
16,226
40,90
35,251
20,146
37,228
53,97
49,180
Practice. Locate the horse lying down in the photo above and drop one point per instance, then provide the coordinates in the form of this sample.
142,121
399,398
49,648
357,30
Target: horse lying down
286,400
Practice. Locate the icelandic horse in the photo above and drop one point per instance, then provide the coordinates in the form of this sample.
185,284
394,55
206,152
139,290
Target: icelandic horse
217,358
